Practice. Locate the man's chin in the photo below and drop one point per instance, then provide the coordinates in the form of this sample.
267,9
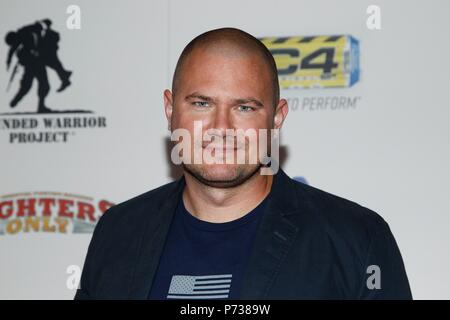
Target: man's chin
221,176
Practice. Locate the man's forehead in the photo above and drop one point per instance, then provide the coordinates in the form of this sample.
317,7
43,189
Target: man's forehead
216,82
206,66
224,78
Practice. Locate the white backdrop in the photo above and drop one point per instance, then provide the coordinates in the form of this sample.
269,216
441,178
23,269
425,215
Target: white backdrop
389,153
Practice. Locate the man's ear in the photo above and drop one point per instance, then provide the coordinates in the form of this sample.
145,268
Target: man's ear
281,112
168,107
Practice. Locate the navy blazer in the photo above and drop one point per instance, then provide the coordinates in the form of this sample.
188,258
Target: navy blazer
310,245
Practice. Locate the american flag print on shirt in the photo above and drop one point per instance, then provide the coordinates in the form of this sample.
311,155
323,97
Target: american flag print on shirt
200,287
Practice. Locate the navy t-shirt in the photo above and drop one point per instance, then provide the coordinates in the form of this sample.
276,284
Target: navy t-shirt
204,260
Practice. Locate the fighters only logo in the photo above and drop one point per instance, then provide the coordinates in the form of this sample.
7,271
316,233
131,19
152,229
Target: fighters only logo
52,212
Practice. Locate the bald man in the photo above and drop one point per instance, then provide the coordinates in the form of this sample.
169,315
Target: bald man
225,230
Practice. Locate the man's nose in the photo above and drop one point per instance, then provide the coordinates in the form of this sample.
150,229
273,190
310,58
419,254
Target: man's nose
222,120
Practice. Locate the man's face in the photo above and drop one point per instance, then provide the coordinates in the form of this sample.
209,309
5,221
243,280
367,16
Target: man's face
223,92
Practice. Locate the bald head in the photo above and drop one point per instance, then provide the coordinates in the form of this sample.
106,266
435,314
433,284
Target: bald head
232,43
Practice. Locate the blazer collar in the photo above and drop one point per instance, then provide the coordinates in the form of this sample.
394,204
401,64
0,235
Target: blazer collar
153,240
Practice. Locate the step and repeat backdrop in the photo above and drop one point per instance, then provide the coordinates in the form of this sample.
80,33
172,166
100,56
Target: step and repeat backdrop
82,125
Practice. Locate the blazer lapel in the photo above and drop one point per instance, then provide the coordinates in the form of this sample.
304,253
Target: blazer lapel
153,240
274,238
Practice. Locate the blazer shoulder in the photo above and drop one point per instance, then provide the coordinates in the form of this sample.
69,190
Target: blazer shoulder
144,203
339,215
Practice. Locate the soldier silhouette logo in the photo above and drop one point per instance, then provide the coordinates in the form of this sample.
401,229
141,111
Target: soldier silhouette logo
35,47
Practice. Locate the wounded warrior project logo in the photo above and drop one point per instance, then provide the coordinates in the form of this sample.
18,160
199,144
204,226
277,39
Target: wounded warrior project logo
32,51
53,212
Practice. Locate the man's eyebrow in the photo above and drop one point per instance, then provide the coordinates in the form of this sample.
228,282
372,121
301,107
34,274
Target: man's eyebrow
249,100
196,95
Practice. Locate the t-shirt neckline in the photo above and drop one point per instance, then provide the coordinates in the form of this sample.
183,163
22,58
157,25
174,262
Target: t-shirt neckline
220,226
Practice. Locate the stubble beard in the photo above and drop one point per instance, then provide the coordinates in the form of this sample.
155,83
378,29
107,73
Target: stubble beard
235,176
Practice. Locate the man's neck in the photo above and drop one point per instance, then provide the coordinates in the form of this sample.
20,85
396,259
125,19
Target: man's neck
220,205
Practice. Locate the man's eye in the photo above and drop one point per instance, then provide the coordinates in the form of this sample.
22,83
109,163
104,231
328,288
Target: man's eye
200,103
246,108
